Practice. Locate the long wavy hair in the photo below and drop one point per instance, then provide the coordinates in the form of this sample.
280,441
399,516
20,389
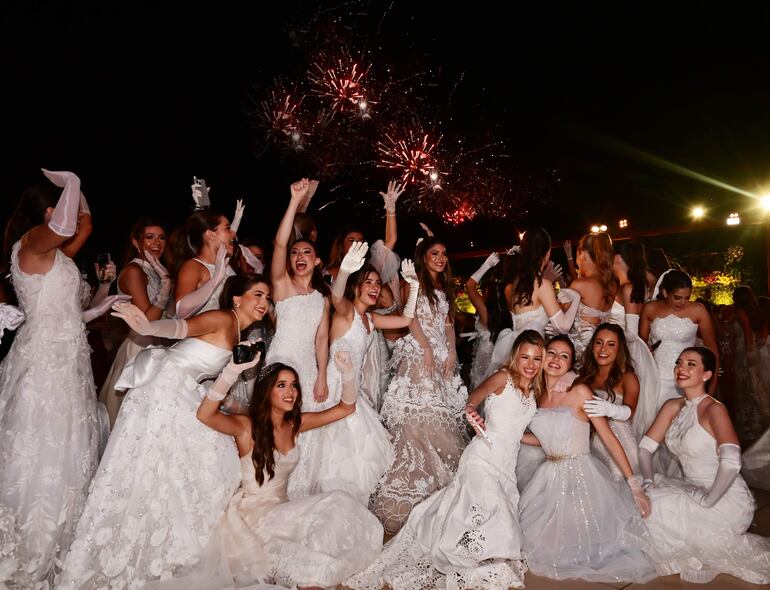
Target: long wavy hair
633,254
237,285
537,385
317,280
187,241
535,244
29,212
260,412
622,365
498,313
337,252
743,298
357,279
599,248
423,274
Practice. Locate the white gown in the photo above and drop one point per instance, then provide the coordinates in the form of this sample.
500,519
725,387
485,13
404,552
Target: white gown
130,347
573,515
695,542
424,416
534,319
351,454
586,321
293,344
482,354
674,334
622,430
165,477
649,383
466,535
213,300
264,538
49,436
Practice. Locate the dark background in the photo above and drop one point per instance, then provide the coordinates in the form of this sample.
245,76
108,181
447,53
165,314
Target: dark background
136,98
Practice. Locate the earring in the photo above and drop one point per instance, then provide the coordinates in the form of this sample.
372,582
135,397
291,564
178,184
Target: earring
237,305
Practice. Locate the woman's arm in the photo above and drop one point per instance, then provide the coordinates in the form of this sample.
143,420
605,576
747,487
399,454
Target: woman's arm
645,320
389,198
352,262
134,282
530,439
278,271
451,360
190,298
320,388
472,283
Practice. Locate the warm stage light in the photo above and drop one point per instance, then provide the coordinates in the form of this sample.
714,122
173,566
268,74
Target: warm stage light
698,212
764,203
595,229
623,223
733,219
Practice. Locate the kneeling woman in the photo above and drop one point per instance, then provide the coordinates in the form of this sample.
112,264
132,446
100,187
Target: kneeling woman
698,524
467,535
573,514
318,540
165,478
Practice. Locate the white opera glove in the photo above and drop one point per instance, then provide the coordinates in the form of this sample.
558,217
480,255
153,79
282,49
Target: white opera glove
410,276
64,219
729,468
645,451
640,498
229,375
348,376
103,306
165,279
255,263
191,303
389,198
562,320
238,215
11,317
354,259
135,318
597,407
490,262
553,272
200,193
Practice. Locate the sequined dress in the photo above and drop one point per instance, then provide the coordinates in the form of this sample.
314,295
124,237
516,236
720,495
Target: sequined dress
674,334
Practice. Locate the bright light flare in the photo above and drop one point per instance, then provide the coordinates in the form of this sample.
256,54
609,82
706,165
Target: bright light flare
698,212
733,219
623,223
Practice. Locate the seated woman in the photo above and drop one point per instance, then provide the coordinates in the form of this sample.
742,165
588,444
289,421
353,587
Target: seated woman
698,524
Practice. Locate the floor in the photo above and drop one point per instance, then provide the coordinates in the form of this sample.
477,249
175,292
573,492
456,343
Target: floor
760,526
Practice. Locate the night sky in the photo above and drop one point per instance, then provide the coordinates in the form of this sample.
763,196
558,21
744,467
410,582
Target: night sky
136,99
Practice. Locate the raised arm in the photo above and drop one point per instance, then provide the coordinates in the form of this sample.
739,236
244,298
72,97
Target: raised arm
353,261
392,322
471,287
312,188
278,270
567,245
389,198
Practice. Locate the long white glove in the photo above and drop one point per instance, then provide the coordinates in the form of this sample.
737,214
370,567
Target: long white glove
645,451
728,470
601,407
64,219
490,262
640,498
135,318
553,272
349,392
238,215
103,306
228,377
353,260
11,317
563,321
410,276
389,198
191,303
255,263
200,193
165,280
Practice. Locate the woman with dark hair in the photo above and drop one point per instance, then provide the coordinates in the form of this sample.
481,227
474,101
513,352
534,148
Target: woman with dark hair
424,400
531,297
630,269
318,540
49,436
164,478
199,282
467,534
608,371
149,285
579,532
596,286
697,528
301,337
353,454
751,397
670,324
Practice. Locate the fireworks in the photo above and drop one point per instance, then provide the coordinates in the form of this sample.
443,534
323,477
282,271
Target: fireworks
279,114
340,82
463,212
411,156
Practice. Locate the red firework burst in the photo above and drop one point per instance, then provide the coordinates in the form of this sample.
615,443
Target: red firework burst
340,81
412,156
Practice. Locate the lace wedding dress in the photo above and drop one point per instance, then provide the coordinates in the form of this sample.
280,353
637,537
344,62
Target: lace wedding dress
466,535
688,539
293,344
165,478
423,413
674,334
49,436
351,454
573,515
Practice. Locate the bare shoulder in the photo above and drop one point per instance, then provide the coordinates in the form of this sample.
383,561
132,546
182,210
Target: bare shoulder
672,406
714,408
582,391
630,379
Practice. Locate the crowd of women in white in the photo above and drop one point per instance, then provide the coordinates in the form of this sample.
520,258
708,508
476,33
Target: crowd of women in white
225,474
